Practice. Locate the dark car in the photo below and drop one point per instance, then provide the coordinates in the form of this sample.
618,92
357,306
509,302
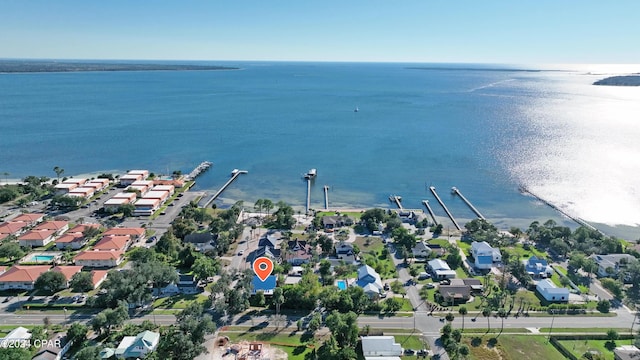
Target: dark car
409,351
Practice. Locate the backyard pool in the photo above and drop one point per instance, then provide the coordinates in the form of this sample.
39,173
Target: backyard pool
341,284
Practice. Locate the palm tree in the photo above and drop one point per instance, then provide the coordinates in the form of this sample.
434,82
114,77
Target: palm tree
449,317
59,171
462,311
502,313
6,176
486,312
258,206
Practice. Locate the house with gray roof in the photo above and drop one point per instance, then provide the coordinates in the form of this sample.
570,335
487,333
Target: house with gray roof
485,256
440,269
537,267
202,241
369,280
611,264
551,292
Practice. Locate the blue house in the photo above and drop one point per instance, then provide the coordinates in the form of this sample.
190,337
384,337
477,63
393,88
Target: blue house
538,268
266,286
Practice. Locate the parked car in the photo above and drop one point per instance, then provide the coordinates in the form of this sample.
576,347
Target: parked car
429,286
409,351
386,287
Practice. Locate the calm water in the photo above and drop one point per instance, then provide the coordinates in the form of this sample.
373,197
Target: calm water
483,129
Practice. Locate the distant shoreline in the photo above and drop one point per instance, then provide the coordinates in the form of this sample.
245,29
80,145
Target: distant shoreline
8,66
623,80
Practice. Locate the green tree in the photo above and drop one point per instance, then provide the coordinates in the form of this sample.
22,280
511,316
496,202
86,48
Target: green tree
462,311
393,304
325,269
81,282
51,281
486,312
603,306
15,353
59,171
127,210
277,298
205,267
449,317
78,334
11,250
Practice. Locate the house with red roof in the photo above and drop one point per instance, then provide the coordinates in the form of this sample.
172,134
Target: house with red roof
58,226
21,276
36,238
29,218
137,234
98,276
113,242
12,228
68,271
73,241
99,259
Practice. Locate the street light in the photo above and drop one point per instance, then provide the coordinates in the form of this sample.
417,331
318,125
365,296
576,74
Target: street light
65,314
553,317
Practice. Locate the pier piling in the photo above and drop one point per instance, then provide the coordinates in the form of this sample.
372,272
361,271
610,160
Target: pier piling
457,192
435,194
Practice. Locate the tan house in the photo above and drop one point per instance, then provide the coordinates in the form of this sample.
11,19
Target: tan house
35,238
78,181
128,179
104,183
146,207
168,188
99,259
85,192
21,276
64,189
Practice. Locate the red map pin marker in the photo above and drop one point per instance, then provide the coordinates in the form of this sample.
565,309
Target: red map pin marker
263,266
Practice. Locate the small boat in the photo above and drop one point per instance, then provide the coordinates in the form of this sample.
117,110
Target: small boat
356,109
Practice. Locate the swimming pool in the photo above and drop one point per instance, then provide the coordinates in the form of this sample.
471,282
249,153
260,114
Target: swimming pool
40,257
341,284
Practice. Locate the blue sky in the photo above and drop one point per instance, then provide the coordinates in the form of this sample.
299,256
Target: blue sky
513,31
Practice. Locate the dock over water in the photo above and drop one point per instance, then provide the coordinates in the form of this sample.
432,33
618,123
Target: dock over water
435,194
455,191
396,200
326,197
433,216
576,219
234,175
204,166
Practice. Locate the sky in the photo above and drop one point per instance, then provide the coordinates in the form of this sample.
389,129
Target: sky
466,31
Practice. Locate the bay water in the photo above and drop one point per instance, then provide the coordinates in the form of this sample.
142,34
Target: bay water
486,129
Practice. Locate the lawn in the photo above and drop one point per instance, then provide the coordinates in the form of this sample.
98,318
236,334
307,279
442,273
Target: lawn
369,243
178,301
579,347
354,215
511,347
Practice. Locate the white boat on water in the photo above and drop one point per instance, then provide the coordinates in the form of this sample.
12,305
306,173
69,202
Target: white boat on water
356,109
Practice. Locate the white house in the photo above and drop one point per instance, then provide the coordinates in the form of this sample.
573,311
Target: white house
136,347
484,255
441,269
378,347
551,292
18,336
99,259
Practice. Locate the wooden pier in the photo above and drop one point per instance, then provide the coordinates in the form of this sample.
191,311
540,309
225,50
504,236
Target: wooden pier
397,200
435,194
576,219
455,191
204,166
234,175
433,216
326,197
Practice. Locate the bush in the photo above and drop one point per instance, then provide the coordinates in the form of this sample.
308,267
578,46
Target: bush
603,306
